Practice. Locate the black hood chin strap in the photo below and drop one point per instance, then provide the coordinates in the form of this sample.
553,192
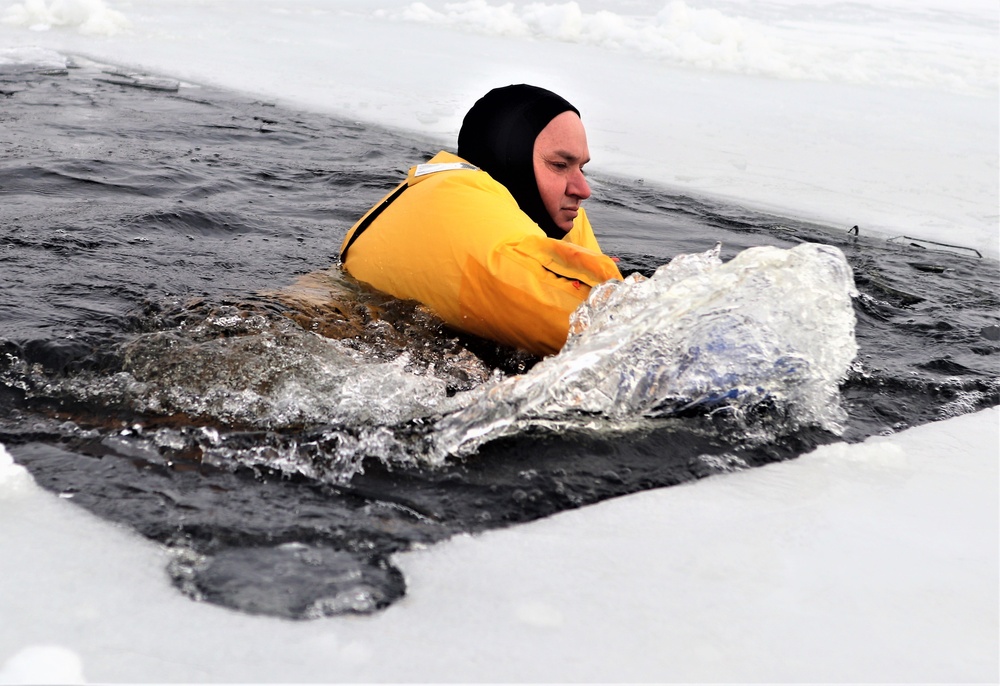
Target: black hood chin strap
498,136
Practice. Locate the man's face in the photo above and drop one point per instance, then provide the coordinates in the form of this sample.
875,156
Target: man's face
559,155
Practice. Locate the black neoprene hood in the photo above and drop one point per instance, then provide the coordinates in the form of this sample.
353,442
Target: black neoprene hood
498,136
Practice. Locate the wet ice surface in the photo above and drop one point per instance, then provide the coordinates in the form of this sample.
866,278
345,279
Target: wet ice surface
178,354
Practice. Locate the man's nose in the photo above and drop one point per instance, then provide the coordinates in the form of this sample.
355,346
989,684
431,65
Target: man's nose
578,186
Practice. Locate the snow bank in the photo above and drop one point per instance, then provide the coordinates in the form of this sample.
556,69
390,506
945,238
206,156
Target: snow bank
781,45
89,17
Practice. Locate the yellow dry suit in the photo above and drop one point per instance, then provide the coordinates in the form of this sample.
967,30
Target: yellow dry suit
454,239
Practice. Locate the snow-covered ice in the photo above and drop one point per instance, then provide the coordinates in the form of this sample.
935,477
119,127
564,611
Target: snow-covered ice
874,562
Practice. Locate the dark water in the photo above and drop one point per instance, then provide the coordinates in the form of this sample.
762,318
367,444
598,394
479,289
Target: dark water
165,250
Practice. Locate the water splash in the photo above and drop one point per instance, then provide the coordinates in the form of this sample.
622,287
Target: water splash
763,341
771,327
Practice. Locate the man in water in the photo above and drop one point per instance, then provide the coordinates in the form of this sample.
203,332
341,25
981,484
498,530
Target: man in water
494,240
